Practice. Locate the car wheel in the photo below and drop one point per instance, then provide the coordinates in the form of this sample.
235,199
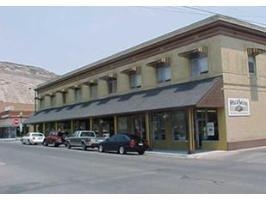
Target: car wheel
68,145
101,149
55,144
45,143
141,152
84,147
121,150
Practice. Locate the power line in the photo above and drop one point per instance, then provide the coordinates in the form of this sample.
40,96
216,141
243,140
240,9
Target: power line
170,10
201,12
216,13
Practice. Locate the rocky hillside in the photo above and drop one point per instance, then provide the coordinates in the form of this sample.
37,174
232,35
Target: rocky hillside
17,82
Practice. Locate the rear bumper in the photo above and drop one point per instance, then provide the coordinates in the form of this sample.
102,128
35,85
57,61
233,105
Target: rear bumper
36,141
136,149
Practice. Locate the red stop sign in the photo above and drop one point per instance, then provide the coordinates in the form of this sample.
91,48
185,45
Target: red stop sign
15,122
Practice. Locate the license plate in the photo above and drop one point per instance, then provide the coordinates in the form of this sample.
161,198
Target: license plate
140,144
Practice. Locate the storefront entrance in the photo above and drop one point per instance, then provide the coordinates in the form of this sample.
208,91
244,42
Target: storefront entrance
133,124
206,126
103,126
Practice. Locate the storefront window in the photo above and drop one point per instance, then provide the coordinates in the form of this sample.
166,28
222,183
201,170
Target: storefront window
122,125
65,126
133,124
80,125
103,126
179,127
159,125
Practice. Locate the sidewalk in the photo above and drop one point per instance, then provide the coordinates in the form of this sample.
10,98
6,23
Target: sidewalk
183,154
199,154
9,139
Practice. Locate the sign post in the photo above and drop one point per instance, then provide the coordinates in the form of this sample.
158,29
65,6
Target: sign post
15,122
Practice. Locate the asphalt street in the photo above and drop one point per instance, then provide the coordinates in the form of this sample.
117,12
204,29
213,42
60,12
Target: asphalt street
49,170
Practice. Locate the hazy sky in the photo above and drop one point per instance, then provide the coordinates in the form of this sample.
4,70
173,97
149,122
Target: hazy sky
61,39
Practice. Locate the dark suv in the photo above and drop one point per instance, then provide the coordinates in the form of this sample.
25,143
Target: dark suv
54,138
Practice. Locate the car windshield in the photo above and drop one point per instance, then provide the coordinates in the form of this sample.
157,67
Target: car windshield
37,135
87,134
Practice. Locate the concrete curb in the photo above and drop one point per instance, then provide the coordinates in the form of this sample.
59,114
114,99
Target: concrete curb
170,154
206,154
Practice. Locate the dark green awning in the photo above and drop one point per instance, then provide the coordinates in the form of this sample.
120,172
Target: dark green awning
173,96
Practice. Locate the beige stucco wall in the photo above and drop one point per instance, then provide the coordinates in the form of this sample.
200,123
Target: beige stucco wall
239,84
179,69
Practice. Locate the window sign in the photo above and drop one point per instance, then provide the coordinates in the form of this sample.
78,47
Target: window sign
238,107
210,129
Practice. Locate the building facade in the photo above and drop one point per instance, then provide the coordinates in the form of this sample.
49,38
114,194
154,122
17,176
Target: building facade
200,87
12,118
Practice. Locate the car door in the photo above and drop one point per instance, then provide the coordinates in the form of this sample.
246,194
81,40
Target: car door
109,143
120,140
75,139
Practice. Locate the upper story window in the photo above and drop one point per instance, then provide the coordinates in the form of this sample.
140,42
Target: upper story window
77,94
163,69
163,72
53,100
135,80
41,103
93,90
199,64
134,77
198,60
64,98
252,64
111,84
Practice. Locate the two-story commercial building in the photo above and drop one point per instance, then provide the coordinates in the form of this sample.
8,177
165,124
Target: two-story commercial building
199,87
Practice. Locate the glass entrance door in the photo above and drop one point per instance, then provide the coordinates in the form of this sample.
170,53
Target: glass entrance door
200,127
139,126
206,126
200,132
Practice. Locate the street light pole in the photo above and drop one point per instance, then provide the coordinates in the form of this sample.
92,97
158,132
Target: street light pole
20,123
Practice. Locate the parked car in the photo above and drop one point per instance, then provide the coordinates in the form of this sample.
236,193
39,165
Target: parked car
33,138
123,143
84,138
54,138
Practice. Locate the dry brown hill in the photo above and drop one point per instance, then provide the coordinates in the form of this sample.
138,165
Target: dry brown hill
17,82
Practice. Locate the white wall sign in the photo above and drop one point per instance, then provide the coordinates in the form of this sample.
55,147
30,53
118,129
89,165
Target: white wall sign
238,107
